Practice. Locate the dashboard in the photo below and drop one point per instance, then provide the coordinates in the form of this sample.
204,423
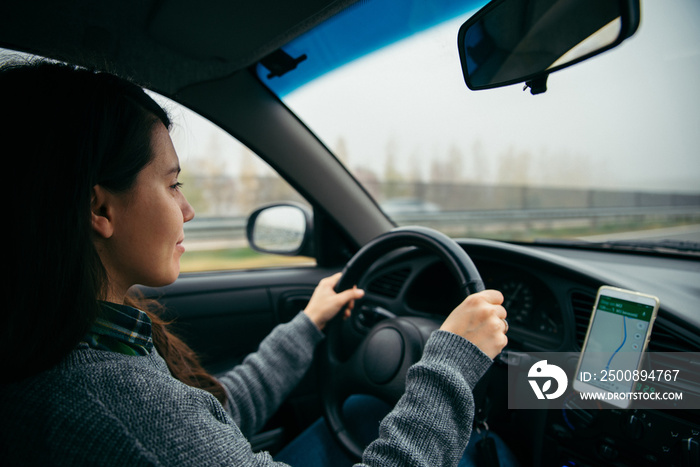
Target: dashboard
534,313
549,292
549,295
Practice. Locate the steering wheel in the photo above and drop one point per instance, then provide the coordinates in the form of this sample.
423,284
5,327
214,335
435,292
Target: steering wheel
375,362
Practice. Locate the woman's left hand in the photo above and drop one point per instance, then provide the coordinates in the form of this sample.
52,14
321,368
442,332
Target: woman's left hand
325,303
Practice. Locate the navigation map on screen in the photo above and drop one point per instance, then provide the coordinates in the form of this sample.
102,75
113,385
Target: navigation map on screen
615,342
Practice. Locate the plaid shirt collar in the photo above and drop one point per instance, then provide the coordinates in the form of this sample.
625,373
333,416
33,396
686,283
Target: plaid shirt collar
122,329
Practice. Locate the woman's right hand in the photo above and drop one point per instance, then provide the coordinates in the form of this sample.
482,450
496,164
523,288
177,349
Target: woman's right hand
480,319
325,303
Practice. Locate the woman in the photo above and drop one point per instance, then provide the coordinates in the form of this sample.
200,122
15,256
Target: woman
91,377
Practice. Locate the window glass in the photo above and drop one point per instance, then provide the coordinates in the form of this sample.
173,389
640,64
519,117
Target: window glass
224,181
608,153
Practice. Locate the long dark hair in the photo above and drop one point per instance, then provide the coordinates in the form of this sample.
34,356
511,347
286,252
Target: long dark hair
66,130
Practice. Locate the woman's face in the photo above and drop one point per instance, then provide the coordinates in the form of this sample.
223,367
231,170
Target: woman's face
146,243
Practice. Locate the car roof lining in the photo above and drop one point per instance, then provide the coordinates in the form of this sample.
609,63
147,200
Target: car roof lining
123,37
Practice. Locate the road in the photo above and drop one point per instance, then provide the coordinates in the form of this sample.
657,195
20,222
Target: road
686,233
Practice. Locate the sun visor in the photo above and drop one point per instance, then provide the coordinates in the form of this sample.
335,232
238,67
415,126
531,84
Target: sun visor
239,33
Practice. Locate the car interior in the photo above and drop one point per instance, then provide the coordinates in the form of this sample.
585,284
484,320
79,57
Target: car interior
223,61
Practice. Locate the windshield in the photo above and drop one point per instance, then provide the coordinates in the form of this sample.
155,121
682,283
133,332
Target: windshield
609,152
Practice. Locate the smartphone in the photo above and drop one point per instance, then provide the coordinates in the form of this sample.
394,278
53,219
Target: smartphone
617,337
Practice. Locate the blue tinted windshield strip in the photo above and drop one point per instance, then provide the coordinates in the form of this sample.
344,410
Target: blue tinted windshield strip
359,30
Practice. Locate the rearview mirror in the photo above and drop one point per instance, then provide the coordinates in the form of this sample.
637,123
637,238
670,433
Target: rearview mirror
513,41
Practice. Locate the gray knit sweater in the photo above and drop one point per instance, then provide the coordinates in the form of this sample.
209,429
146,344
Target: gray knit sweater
108,409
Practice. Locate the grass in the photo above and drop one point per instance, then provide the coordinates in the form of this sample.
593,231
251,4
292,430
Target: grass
236,258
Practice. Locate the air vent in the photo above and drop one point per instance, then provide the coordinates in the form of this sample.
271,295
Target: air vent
662,338
582,303
390,284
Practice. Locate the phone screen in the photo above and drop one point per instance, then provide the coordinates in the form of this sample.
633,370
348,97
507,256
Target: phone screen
617,337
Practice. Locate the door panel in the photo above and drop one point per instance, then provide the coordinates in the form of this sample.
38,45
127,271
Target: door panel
224,317
222,326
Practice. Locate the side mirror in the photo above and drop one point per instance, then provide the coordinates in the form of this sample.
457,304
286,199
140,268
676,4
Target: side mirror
513,41
281,229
